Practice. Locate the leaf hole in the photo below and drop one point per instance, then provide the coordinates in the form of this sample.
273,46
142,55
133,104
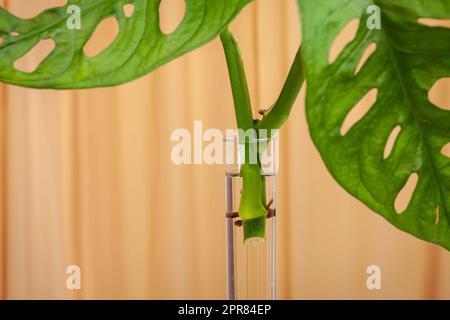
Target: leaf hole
366,55
128,10
431,22
33,8
436,220
171,14
345,36
446,150
438,94
359,110
103,36
391,141
34,57
14,34
405,195
1,40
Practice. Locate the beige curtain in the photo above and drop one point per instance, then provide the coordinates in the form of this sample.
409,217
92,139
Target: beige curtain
86,179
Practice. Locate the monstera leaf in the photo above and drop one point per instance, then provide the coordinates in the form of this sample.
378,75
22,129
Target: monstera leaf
139,48
409,58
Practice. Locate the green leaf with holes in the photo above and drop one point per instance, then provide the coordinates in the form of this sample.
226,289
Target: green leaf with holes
139,47
409,59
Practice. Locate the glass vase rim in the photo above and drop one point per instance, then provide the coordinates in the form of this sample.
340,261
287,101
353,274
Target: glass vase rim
235,136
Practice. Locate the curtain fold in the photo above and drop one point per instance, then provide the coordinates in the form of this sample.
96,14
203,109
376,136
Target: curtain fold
86,179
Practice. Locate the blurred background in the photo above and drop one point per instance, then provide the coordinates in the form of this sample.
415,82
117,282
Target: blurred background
86,178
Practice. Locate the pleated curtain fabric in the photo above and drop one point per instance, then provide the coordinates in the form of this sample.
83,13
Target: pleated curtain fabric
86,179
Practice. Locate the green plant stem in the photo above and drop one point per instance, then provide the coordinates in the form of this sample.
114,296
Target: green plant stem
255,228
251,206
251,210
281,109
238,80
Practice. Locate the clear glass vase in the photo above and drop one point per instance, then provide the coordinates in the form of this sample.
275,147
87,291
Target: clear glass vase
251,263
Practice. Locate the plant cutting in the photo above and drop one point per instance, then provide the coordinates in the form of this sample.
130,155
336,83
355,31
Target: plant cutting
410,58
